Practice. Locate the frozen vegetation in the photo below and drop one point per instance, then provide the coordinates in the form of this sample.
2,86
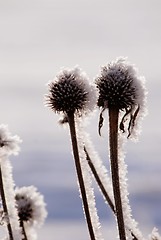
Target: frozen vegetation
120,94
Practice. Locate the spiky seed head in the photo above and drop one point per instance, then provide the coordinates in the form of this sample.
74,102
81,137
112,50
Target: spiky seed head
30,205
71,92
120,87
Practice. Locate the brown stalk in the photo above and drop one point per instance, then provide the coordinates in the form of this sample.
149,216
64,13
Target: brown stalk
113,140
99,182
79,174
23,230
102,188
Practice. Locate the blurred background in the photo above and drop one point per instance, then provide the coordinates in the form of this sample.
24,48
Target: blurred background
37,38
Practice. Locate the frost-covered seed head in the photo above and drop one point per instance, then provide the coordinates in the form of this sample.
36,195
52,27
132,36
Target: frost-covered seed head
120,87
71,92
31,206
8,144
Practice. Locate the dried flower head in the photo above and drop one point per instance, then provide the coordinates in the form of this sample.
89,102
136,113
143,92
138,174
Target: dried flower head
31,206
71,92
120,87
8,144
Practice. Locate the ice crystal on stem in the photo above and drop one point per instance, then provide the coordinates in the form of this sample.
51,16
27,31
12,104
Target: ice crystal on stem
131,225
104,181
88,181
8,145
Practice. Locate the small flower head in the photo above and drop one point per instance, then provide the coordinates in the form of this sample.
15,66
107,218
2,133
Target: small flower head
120,87
70,92
31,206
8,144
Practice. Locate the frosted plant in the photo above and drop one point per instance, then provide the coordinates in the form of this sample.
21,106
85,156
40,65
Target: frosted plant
88,180
8,145
120,87
100,174
121,90
155,235
31,208
104,182
71,94
132,231
98,170
3,218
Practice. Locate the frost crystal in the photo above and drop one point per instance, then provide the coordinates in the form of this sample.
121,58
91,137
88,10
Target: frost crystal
31,206
99,166
130,223
8,144
71,92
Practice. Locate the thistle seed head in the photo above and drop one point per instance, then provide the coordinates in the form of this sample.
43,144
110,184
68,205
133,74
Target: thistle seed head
71,92
30,205
120,87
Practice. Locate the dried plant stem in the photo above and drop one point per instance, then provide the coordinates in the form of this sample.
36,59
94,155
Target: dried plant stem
79,174
4,203
101,186
23,230
99,182
113,139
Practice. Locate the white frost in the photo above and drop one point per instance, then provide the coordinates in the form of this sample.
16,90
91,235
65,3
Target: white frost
81,80
8,144
88,183
99,166
154,235
8,185
29,196
130,223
